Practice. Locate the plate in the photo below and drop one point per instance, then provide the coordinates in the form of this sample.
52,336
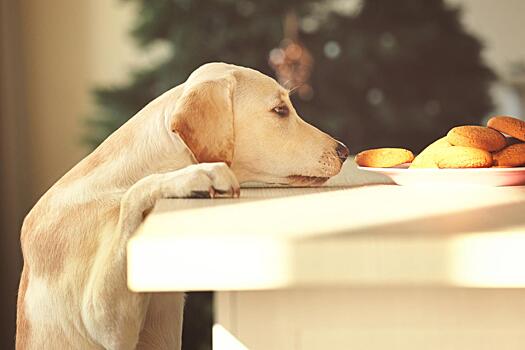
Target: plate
401,175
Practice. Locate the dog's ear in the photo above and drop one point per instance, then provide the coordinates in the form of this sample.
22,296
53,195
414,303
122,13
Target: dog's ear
203,119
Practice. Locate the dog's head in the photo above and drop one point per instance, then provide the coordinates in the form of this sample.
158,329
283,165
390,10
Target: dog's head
242,117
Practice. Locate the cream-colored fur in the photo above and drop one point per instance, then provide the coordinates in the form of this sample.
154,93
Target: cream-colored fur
218,129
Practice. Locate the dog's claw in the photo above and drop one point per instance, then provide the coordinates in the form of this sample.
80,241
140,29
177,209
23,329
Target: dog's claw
236,192
213,192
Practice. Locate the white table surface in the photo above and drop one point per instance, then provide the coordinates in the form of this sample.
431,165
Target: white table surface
282,238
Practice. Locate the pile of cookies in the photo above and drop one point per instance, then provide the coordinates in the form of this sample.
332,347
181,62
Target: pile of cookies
468,146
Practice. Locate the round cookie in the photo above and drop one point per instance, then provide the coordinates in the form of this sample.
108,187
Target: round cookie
464,157
384,157
426,159
508,125
476,136
511,156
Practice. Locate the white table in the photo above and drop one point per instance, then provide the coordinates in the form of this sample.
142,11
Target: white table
370,267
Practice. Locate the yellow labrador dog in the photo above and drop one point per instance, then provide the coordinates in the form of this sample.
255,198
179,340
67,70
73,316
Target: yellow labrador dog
224,126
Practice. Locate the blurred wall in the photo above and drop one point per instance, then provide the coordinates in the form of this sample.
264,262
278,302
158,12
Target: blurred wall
11,165
500,25
68,47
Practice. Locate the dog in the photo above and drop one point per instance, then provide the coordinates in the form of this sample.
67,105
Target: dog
223,126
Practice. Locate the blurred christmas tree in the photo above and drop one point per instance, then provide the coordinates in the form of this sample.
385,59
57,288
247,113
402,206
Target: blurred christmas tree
397,73
372,73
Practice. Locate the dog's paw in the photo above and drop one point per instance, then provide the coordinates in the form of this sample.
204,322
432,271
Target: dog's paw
205,180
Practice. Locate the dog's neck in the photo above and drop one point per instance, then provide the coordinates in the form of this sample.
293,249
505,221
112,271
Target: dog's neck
143,146
151,149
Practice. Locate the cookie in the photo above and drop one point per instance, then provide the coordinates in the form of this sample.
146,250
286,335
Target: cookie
477,136
511,156
508,125
384,157
426,159
464,157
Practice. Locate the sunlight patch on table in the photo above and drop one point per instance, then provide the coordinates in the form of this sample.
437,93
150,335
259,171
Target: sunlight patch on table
488,260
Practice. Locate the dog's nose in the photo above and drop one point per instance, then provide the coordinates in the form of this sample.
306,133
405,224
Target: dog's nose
342,151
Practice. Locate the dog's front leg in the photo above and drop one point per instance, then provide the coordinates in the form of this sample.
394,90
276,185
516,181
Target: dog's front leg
112,314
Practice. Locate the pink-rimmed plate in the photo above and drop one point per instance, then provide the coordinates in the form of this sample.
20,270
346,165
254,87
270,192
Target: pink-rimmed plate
401,175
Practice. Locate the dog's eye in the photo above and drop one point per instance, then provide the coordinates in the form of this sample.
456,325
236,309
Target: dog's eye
281,111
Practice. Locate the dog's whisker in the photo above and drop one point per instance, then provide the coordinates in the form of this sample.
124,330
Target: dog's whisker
294,89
